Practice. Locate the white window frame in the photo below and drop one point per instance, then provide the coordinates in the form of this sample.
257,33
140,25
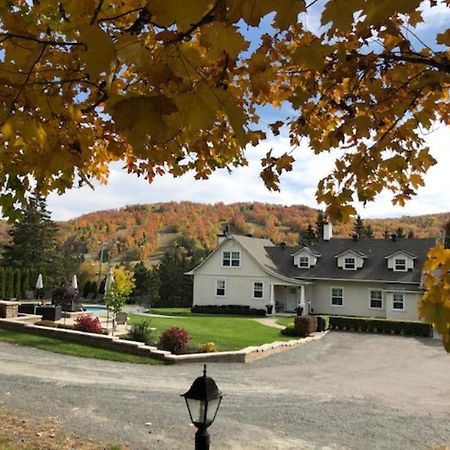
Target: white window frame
347,259
254,290
303,266
331,296
398,301
224,288
404,265
231,256
377,299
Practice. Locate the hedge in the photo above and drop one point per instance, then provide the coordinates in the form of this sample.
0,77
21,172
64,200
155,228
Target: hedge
240,310
369,325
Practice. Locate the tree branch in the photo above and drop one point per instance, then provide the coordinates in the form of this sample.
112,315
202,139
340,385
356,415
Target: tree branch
443,67
97,11
40,41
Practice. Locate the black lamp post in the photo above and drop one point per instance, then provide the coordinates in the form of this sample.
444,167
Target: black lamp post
203,401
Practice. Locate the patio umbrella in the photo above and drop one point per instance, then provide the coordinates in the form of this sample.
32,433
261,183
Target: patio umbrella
109,280
75,282
39,282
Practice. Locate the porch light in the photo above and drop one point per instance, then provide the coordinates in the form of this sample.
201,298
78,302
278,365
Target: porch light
203,401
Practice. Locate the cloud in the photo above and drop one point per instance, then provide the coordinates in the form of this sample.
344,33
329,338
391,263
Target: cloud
245,185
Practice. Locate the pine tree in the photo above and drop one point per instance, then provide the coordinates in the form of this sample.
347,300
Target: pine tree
2,283
33,242
359,227
310,236
368,232
18,283
386,234
447,235
320,221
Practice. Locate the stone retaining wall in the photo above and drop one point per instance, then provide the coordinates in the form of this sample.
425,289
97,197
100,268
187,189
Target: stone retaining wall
245,355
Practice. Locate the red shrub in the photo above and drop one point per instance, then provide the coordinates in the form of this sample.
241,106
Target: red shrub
88,323
174,339
305,325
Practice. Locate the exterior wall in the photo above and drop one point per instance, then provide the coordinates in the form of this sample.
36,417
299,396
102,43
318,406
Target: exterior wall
239,280
400,255
411,301
358,260
288,296
356,300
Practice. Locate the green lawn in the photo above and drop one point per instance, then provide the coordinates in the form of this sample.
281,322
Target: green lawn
70,348
228,333
285,321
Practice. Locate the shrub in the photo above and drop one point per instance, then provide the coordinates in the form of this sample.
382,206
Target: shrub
305,325
208,347
66,296
289,330
241,310
174,340
88,323
370,325
323,323
141,332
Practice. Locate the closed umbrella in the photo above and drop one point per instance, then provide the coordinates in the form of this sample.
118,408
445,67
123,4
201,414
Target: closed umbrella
39,282
39,287
75,282
109,281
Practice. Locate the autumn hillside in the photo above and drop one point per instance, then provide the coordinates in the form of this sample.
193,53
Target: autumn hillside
147,231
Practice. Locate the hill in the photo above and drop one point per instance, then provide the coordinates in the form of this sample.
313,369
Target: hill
145,232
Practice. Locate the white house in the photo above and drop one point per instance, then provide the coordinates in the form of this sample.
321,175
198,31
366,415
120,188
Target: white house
364,277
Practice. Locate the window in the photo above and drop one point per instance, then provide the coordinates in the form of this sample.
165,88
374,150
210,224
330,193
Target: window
398,301
231,259
376,299
220,288
258,289
349,263
303,262
337,297
400,264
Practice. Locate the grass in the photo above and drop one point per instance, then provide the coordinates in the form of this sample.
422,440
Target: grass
71,348
228,333
285,321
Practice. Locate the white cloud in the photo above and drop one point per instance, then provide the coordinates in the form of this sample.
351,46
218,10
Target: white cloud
244,184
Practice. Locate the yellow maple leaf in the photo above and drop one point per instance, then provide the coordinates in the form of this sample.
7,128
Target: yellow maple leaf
100,52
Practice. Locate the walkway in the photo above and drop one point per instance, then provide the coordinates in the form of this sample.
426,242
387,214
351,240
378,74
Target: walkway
270,322
346,391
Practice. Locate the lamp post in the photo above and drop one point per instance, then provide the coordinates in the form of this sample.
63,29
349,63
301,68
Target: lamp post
203,401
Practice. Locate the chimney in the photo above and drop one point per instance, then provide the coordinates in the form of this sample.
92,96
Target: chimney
327,231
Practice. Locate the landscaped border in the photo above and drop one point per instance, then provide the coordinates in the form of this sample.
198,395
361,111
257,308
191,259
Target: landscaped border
245,355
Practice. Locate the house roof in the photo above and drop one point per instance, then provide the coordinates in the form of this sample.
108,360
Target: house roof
305,249
362,255
401,251
278,260
374,268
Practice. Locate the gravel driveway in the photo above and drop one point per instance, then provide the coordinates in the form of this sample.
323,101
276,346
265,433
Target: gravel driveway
346,391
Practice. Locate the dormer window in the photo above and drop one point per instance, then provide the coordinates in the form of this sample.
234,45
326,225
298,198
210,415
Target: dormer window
303,262
231,259
349,263
400,264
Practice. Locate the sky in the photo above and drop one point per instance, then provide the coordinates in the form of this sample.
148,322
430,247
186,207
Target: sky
245,185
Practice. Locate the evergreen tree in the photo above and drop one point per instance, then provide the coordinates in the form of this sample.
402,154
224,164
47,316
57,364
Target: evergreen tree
310,236
26,286
2,283
320,221
386,234
359,227
142,280
368,232
33,242
9,283
153,292
18,283
410,234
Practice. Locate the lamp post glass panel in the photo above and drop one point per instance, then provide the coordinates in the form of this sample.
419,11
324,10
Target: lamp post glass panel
203,401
